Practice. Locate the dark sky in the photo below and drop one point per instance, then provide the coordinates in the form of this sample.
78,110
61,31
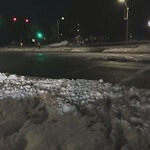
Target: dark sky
97,17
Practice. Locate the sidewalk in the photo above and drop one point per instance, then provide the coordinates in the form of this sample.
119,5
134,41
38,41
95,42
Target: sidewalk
139,54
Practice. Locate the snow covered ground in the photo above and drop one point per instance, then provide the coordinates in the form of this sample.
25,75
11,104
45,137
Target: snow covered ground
72,114
145,48
63,43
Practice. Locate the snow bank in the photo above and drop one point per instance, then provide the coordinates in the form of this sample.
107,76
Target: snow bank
139,49
63,43
80,90
72,114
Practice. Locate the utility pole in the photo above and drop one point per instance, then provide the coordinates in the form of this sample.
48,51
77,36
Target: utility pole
58,30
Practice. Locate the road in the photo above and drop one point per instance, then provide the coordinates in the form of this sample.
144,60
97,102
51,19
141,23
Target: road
75,66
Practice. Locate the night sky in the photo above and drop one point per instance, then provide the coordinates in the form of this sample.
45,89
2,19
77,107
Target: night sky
96,17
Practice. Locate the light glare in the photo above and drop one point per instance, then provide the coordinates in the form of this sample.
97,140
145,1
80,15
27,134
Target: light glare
149,23
121,1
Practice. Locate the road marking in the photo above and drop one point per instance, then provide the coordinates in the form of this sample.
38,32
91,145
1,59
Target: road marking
108,64
84,69
138,73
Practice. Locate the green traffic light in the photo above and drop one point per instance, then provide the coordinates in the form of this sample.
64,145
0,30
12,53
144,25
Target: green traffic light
39,35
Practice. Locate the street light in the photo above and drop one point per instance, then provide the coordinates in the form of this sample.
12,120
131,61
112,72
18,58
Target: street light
58,28
126,17
122,1
148,23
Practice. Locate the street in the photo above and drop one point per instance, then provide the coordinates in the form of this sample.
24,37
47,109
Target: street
75,66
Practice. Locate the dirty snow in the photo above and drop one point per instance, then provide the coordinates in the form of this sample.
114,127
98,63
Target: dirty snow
139,49
96,115
62,43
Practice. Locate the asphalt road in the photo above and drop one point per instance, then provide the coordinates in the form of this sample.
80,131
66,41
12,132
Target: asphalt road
75,66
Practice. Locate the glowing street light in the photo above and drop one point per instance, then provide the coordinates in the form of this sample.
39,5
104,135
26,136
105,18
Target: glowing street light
121,1
148,23
126,17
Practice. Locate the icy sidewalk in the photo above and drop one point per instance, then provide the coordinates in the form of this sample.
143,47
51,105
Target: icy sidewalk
72,115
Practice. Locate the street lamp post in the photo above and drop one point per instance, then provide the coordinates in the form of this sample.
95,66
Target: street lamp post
58,28
126,17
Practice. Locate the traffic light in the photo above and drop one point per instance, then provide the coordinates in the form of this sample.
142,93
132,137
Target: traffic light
14,19
39,35
27,20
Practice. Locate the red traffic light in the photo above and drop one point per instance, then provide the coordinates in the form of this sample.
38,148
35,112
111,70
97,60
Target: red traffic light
14,19
26,20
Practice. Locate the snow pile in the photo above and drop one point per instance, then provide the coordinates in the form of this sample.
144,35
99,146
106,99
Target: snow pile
119,50
21,87
139,49
2,77
63,43
77,92
72,114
